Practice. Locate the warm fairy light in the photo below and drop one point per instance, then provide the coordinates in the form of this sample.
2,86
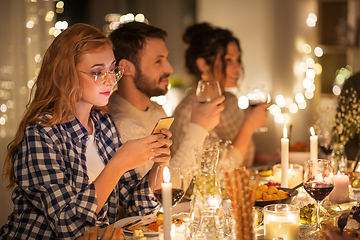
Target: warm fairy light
49,16
306,48
310,62
243,102
311,88
302,105
307,83
303,67
309,94
279,118
166,174
336,90
293,108
286,118
61,25
299,97
60,4
288,102
30,24
139,17
318,51
274,109
280,101
161,100
3,108
317,68
310,74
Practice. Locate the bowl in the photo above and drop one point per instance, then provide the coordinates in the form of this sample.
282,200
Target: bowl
279,201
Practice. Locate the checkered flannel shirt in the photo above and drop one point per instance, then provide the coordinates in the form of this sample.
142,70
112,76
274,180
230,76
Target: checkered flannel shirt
53,198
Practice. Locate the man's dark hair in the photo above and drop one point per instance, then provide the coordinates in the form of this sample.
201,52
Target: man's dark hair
129,38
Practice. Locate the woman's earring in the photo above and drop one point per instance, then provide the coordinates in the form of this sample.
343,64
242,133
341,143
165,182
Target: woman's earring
204,76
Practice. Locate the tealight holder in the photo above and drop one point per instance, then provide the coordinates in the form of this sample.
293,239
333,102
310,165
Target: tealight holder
281,220
295,174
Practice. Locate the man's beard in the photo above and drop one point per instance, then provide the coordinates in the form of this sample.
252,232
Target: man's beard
144,84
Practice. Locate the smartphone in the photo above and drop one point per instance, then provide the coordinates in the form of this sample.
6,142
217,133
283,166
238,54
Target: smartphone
162,123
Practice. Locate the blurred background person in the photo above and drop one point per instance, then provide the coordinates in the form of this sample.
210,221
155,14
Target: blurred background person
214,54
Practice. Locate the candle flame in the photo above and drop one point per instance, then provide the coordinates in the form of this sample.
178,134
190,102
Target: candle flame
166,174
338,173
285,132
312,131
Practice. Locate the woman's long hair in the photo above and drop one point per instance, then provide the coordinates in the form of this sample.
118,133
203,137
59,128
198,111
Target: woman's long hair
57,88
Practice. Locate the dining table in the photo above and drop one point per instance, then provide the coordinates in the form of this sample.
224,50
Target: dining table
330,212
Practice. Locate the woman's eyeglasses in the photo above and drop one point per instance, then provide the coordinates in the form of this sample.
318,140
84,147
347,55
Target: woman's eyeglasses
101,77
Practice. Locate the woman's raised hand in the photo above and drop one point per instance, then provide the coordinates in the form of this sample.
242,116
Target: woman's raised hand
135,153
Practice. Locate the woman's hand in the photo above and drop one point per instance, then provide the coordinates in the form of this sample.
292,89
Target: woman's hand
135,153
255,117
207,114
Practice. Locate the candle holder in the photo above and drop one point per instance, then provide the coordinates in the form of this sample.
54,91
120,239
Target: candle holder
281,220
295,174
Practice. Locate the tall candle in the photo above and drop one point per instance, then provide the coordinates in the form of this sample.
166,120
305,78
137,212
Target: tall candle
313,144
166,189
340,193
284,158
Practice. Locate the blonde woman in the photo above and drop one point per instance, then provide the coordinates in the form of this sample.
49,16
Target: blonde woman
69,169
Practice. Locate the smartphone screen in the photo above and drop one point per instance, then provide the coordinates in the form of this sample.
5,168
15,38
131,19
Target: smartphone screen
162,123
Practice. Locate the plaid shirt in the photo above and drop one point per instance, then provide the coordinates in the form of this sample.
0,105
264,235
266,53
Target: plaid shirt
54,198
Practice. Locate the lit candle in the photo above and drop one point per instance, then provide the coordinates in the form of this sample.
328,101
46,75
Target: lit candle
340,193
313,144
166,188
284,159
281,220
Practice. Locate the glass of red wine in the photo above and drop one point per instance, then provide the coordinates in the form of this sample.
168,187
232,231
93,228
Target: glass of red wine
176,179
207,90
325,142
318,182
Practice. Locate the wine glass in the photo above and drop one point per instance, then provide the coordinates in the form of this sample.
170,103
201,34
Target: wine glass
257,94
176,179
207,90
318,182
325,142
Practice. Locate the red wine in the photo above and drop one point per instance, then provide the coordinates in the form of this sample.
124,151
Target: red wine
326,149
177,195
318,190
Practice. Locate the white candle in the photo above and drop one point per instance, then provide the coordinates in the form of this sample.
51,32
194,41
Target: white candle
281,221
284,158
166,189
340,193
313,144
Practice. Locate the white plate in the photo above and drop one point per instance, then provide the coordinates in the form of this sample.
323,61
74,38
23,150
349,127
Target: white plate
124,221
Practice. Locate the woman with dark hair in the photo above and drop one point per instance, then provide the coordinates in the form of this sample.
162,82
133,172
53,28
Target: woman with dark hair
214,53
68,166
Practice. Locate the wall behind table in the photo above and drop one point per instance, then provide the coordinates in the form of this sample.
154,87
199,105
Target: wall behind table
269,32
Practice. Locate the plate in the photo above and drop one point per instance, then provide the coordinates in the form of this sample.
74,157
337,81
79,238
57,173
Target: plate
124,221
284,200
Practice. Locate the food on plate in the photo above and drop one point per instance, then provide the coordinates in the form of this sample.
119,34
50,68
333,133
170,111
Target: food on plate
268,193
265,172
276,184
308,214
153,226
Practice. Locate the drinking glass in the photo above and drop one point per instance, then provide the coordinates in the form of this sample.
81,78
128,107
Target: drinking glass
176,180
318,182
325,142
207,90
257,94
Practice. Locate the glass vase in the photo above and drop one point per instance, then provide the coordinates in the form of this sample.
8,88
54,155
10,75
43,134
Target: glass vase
206,201
338,158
